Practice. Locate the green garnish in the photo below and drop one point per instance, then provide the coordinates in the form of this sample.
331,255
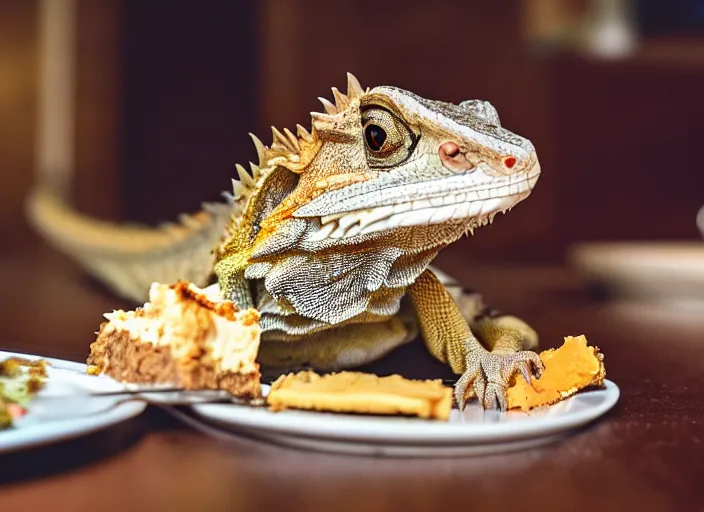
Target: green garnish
20,381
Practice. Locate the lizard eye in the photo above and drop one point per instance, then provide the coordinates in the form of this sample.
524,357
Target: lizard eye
375,136
389,141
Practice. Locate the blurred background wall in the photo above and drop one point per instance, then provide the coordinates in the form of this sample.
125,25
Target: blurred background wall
162,94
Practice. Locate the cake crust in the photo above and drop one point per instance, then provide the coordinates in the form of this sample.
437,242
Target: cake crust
361,393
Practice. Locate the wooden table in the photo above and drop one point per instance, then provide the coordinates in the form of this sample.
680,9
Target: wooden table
647,454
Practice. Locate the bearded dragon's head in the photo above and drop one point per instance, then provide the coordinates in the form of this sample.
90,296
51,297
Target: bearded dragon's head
384,159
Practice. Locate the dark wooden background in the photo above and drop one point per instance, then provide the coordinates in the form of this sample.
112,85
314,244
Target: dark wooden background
168,89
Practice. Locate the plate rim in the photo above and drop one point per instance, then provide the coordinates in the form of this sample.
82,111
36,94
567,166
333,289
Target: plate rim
627,260
52,432
408,450
360,429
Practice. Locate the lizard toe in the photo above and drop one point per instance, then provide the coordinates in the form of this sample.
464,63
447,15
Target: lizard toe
489,374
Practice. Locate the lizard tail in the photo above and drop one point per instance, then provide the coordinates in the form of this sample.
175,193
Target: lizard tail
128,258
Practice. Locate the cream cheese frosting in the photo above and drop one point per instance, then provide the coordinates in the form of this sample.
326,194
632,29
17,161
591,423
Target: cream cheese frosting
176,316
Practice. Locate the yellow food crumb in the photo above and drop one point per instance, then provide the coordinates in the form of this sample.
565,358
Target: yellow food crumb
571,368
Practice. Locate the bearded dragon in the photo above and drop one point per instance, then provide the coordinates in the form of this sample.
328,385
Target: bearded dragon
332,234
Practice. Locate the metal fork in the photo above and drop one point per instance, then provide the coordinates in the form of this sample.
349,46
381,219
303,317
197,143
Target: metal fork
44,408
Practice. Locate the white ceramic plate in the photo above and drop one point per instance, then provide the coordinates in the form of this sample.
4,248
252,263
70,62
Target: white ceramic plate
66,378
665,272
471,432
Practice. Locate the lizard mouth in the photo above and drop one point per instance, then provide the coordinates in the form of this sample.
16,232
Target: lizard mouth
474,202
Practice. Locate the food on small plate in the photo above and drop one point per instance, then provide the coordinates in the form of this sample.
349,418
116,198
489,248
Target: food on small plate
20,380
361,393
181,337
572,368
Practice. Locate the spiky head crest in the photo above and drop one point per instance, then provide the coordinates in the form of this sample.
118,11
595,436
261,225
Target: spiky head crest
295,151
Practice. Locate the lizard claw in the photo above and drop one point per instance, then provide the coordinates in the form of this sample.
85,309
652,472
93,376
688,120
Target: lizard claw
488,375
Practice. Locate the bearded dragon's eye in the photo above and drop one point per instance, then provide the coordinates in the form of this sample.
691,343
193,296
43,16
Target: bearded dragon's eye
375,137
387,139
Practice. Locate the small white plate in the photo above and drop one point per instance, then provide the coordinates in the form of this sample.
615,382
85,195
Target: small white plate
471,432
67,378
666,272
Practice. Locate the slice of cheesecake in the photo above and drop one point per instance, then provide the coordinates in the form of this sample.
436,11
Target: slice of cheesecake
182,337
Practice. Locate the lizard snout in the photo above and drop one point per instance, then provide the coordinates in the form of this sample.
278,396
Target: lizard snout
455,160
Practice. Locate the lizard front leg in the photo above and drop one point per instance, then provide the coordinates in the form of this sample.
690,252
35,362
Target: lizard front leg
485,370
